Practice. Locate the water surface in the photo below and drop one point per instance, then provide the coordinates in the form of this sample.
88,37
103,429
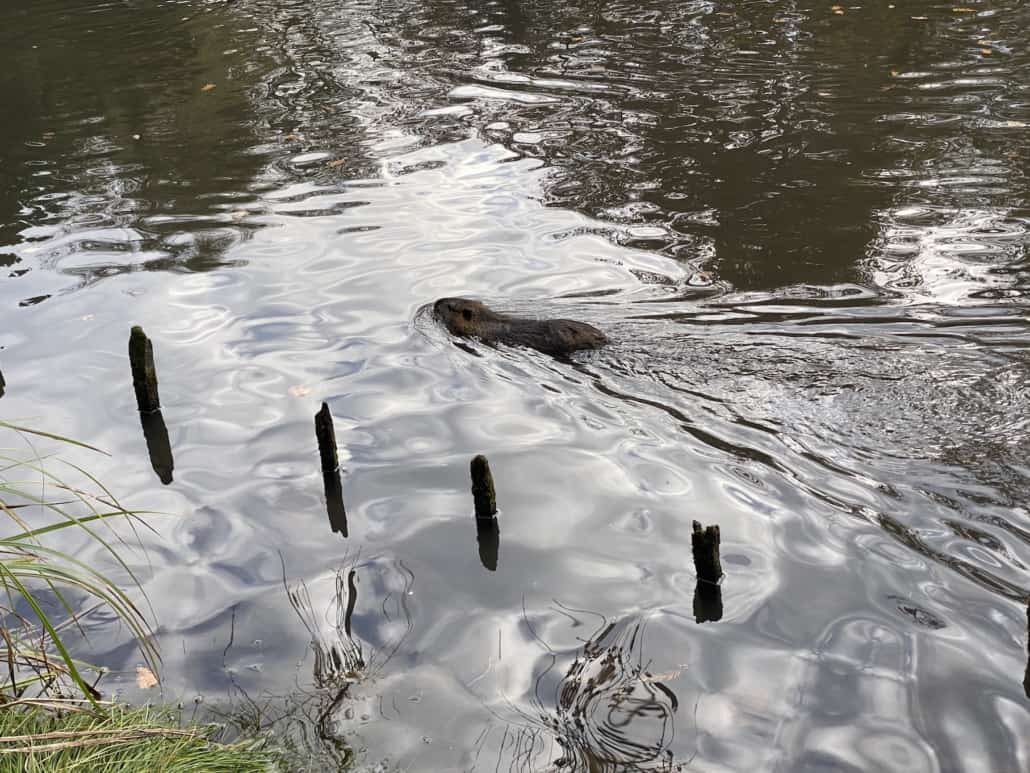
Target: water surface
804,228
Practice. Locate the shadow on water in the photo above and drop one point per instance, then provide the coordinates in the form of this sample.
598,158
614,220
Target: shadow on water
759,139
111,140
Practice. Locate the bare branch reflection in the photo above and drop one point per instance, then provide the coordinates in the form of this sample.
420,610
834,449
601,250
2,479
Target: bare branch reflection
609,711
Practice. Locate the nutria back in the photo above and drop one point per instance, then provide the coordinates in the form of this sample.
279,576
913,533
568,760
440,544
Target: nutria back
466,318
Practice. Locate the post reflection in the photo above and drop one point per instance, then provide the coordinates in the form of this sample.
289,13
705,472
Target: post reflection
158,446
488,537
1026,674
334,502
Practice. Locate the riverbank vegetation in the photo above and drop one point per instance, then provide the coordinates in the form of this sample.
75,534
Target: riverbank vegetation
44,737
52,717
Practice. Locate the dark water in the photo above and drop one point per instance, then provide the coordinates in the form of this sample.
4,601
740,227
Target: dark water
803,226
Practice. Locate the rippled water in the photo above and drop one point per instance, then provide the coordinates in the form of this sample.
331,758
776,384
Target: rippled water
804,228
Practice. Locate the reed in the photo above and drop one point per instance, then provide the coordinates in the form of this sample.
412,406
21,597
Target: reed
46,591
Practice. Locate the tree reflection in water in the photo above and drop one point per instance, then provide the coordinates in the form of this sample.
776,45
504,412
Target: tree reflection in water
609,713
306,722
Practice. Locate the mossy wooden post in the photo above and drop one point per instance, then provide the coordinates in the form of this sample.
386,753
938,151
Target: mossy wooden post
326,436
144,374
483,488
705,542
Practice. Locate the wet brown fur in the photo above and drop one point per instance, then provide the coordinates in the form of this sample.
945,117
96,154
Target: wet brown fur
558,337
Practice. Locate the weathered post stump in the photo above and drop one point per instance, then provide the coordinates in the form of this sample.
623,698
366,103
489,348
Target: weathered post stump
707,602
483,488
705,542
326,436
144,374
707,593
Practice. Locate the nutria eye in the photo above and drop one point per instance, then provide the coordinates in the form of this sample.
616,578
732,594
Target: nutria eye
467,314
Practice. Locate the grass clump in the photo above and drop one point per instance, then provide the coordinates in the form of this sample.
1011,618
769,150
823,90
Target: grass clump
45,591
108,738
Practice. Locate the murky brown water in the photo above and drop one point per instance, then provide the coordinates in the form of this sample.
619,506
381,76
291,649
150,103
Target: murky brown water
803,226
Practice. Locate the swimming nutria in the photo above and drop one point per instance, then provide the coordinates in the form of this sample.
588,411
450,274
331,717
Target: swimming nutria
557,337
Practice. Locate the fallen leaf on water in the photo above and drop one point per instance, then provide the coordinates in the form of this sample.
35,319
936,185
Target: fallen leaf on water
663,676
239,214
986,51
291,137
895,73
963,9
336,162
299,390
1016,124
145,678
207,87
838,9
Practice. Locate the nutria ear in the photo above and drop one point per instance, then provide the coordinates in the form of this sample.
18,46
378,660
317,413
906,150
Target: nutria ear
467,314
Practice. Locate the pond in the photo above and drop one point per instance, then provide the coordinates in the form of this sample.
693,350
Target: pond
804,228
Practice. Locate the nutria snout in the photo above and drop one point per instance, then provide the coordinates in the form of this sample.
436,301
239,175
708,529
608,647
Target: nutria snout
466,318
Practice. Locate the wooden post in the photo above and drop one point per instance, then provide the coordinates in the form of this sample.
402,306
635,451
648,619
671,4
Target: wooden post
483,488
707,602
2,384
326,436
144,374
705,542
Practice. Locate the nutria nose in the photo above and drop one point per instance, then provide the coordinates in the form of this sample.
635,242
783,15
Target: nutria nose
444,305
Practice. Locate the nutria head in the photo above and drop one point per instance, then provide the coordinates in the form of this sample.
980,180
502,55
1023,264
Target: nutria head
461,316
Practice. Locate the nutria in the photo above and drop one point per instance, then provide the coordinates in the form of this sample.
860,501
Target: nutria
557,337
